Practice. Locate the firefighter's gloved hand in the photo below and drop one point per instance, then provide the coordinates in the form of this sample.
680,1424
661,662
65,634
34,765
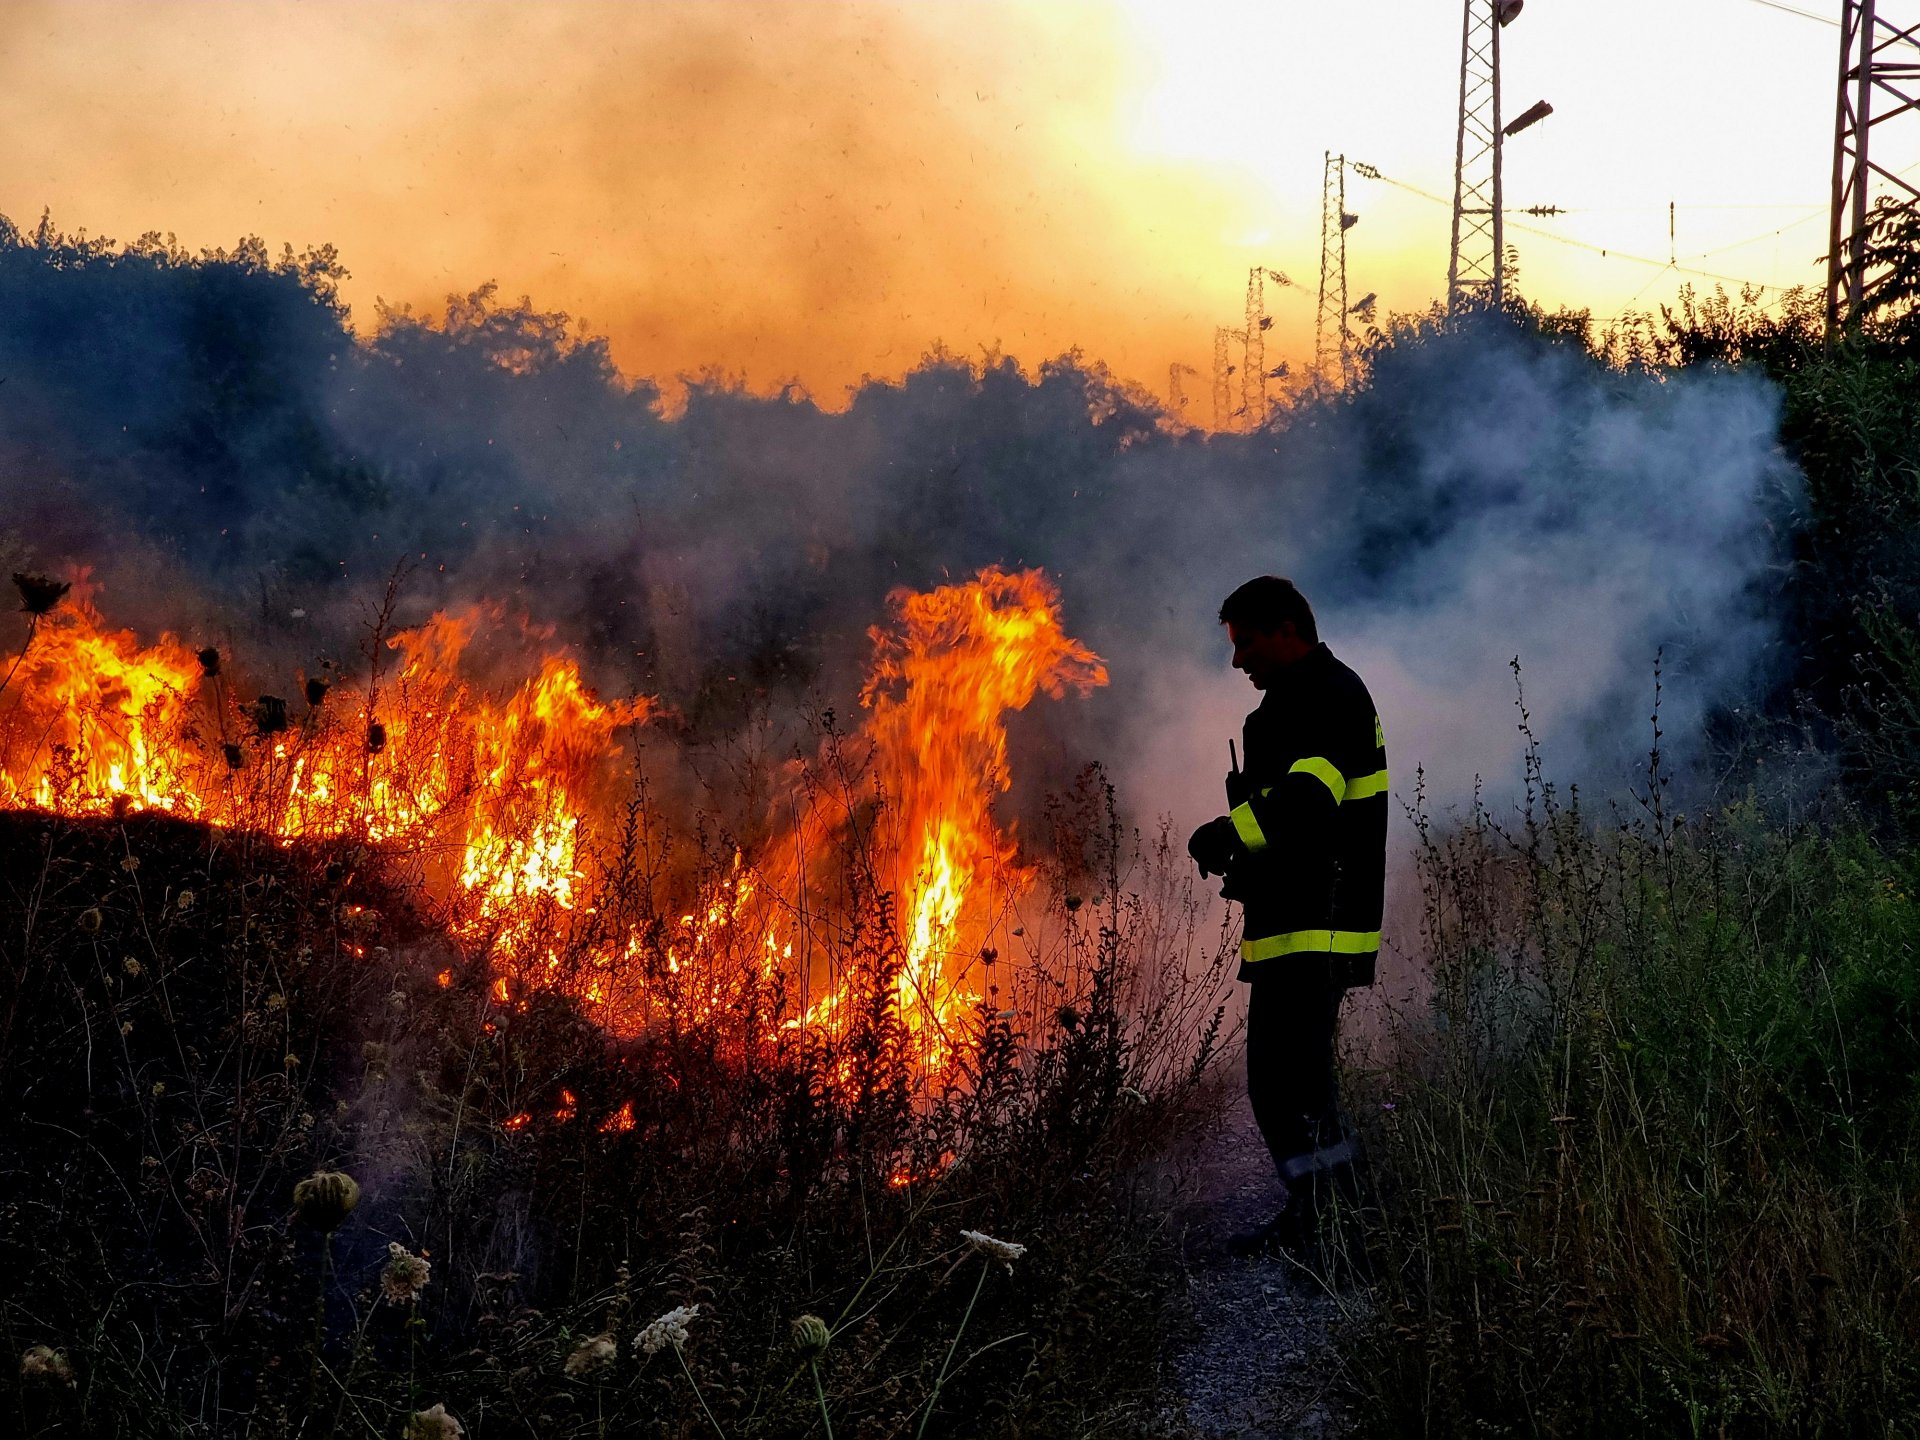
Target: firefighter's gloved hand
1214,846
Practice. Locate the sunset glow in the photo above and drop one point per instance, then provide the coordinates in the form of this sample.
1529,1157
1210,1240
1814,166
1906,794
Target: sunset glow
823,191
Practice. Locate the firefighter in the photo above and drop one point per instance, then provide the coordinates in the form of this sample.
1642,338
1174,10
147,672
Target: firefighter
1303,850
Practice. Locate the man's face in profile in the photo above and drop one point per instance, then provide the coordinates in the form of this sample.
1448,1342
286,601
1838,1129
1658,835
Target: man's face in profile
1263,654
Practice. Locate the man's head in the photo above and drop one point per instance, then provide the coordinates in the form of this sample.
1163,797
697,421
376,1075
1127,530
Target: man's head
1271,627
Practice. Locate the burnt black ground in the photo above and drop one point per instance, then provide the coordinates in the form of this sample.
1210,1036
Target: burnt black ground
1254,1358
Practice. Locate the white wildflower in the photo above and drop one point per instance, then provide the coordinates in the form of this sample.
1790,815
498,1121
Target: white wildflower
994,1249
590,1354
406,1274
669,1329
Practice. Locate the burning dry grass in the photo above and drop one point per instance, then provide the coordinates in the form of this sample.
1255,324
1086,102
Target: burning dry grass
587,1067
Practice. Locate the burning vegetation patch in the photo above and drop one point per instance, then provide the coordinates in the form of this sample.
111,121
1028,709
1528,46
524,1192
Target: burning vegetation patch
433,945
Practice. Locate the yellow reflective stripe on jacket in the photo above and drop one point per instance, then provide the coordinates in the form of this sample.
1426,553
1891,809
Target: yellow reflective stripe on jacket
1316,942
1325,772
1366,785
1246,827
1379,735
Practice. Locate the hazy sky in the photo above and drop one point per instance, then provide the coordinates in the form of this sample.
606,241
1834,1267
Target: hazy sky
820,190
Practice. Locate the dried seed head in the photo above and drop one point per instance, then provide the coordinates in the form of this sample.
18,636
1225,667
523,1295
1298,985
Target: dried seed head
591,1354
38,593
316,690
209,659
994,1249
42,1364
406,1275
434,1424
325,1199
90,920
376,738
234,755
669,1329
269,714
1068,1017
811,1337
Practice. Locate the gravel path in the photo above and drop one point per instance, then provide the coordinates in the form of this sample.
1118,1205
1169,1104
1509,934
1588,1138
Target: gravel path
1259,1365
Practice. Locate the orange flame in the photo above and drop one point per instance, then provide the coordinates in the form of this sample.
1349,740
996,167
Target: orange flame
941,687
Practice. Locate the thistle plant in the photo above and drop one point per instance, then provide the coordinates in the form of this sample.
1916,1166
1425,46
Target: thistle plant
38,597
811,1339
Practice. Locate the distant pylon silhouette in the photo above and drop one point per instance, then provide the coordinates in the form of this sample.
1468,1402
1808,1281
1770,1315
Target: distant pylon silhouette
1879,61
1223,368
1332,338
1253,374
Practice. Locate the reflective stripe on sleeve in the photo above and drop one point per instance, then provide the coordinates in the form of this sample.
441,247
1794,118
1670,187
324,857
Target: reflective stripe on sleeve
1247,828
1316,942
1366,785
1325,772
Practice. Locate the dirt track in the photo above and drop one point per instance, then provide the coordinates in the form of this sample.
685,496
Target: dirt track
1257,1365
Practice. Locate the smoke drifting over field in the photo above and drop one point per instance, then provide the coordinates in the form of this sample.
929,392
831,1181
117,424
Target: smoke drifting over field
232,464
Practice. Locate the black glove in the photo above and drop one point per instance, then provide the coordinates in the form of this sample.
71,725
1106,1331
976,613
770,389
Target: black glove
1214,846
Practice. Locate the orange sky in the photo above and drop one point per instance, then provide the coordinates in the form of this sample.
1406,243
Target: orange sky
820,190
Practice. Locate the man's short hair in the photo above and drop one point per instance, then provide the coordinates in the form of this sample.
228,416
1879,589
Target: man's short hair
1265,604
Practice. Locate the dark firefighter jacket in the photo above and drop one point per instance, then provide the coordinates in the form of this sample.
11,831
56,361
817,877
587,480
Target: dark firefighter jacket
1310,811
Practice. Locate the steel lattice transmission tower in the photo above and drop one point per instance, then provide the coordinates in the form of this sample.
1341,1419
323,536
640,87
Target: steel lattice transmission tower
1223,411
1253,375
1879,66
1479,234
1332,337
1176,391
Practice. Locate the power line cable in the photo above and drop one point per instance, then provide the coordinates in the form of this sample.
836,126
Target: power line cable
1795,10
1606,252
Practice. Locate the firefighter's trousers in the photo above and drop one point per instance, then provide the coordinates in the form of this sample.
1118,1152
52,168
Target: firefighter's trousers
1293,1016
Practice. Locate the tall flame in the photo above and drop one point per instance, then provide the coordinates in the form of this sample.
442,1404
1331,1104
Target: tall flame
942,685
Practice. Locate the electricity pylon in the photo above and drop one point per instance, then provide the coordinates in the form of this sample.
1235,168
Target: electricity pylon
1253,375
1869,71
1223,411
1177,392
1479,234
1332,338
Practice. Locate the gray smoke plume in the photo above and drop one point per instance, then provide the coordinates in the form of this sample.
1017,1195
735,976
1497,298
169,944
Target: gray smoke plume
208,435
